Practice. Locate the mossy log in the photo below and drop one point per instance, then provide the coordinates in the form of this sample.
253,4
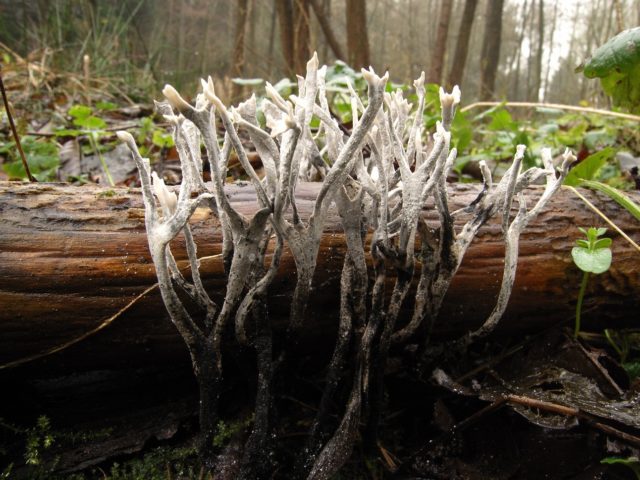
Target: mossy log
73,257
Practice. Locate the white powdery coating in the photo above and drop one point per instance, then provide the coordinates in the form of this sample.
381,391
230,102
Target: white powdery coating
168,200
174,98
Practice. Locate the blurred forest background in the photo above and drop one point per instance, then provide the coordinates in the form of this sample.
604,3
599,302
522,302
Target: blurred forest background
495,49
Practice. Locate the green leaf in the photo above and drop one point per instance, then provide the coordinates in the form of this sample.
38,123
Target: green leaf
42,157
501,120
632,369
161,139
461,131
615,194
596,261
583,243
588,167
617,64
90,123
596,139
80,111
632,462
106,106
619,54
67,132
602,243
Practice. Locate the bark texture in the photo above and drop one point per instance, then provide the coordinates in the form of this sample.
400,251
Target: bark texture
456,74
357,37
237,68
284,10
301,35
491,49
437,56
325,24
71,257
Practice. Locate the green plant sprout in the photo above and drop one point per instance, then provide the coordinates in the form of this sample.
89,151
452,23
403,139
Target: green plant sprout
624,342
592,255
91,126
44,159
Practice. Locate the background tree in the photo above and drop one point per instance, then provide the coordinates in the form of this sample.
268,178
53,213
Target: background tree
323,15
301,35
537,71
357,37
438,56
462,44
237,68
135,42
491,48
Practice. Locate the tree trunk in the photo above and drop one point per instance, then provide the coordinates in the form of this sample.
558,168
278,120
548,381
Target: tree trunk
534,95
456,74
491,49
237,62
437,65
272,30
551,52
357,37
72,257
516,87
325,25
284,10
301,36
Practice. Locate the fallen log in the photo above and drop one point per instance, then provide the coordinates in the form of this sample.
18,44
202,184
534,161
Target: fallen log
75,273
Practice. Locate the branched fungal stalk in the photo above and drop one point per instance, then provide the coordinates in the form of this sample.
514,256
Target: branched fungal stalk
380,178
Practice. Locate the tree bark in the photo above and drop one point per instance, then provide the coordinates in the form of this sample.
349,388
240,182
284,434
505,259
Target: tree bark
357,36
516,88
284,11
534,95
301,36
456,74
325,25
237,62
72,257
437,65
491,49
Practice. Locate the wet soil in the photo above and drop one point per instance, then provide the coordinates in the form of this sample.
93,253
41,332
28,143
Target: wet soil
541,408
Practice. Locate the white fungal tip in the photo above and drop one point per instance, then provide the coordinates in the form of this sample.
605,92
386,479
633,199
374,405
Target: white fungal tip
167,198
375,174
174,98
313,63
124,137
371,78
448,100
520,149
456,93
568,154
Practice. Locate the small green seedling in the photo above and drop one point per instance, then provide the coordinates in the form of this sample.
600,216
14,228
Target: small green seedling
91,126
592,255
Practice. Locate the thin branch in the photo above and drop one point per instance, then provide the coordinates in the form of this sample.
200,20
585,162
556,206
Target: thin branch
558,106
15,132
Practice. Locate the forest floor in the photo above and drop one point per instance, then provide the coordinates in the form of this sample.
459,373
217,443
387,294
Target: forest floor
548,406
